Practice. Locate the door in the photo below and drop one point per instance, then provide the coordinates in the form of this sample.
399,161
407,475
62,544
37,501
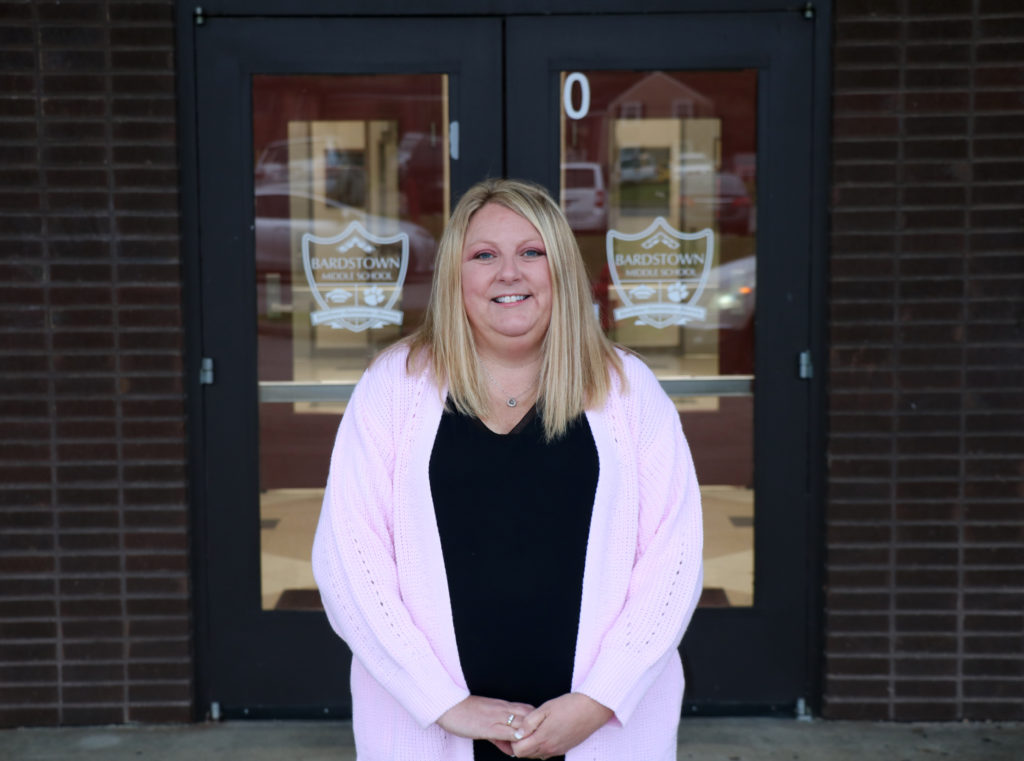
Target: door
329,154
699,125
348,131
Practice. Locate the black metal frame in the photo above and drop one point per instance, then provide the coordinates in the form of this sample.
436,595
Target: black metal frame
354,8
193,320
817,277
812,432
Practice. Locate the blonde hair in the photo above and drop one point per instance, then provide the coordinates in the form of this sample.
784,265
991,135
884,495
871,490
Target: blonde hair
577,357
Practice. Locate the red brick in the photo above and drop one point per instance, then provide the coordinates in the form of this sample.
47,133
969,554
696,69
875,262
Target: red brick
996,124
136,106
92,715
926,688
996,667
945,54
161,713
1012,710
938,7
926,667
141,11
856,710
94,672
924,711
933,30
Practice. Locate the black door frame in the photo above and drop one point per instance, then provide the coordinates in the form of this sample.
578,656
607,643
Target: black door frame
812,430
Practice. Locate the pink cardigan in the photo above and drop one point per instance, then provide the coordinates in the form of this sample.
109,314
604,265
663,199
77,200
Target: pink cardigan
377,560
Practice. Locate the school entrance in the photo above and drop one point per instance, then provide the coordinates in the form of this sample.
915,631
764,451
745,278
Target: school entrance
322,157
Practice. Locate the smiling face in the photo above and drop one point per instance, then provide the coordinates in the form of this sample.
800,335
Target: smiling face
506,283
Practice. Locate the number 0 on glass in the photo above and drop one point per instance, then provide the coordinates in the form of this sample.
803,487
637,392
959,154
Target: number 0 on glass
571,111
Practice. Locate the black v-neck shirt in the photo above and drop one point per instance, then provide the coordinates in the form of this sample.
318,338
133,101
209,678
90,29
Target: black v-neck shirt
513,512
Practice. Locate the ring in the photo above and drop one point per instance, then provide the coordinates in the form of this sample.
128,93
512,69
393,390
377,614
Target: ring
511,718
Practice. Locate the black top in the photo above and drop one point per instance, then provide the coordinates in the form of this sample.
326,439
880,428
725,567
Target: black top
513,512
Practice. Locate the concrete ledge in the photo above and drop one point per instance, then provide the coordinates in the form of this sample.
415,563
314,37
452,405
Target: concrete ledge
703,739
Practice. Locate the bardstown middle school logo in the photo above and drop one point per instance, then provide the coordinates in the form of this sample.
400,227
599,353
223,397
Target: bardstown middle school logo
356,277
660,273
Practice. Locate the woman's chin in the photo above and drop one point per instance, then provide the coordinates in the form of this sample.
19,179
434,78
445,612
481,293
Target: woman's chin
512,337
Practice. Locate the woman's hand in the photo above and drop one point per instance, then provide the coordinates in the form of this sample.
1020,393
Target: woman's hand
487,719
560,725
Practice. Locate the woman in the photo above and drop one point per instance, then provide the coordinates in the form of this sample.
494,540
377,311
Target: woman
510,541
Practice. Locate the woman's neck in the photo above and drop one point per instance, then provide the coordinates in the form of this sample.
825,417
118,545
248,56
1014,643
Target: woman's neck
511,356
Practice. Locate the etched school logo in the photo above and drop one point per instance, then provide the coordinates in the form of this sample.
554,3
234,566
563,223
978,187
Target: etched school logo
660,273
356,277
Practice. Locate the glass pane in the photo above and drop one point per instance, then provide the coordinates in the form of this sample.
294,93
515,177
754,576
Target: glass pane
351,182
658,180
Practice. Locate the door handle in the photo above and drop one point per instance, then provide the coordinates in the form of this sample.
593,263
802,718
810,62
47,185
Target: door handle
453,140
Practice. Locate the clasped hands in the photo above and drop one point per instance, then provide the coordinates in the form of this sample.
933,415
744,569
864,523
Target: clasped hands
551,729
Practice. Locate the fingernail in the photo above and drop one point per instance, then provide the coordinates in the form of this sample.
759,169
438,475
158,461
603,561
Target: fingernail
518,734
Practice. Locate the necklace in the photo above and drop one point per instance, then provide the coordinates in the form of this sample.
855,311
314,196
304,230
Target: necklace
510,399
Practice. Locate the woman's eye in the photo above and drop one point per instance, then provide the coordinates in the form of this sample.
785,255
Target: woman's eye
483,255
533,253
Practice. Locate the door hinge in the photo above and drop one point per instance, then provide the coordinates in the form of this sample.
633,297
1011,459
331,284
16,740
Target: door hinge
206,371
806,367
808,10
198,16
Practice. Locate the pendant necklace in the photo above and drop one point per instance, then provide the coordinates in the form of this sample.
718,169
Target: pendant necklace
510,399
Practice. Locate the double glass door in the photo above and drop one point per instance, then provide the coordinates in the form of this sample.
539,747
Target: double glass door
330,154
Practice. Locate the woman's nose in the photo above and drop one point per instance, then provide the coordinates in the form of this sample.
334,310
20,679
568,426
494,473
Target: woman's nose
509,268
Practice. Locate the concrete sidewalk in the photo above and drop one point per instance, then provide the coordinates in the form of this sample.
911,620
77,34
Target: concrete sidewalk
701,739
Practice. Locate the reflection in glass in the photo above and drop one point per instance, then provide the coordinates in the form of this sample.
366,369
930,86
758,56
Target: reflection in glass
351,192
658,182
330,152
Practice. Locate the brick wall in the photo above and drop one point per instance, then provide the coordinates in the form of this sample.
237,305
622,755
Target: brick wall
925,602
94,583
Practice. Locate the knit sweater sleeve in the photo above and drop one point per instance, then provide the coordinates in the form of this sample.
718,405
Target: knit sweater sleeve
354,556
667,574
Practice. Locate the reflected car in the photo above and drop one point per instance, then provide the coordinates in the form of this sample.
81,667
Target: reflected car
722,197
585,196
732,291
744,166
730,300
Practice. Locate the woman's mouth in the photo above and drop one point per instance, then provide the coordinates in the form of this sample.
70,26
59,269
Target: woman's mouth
510,299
